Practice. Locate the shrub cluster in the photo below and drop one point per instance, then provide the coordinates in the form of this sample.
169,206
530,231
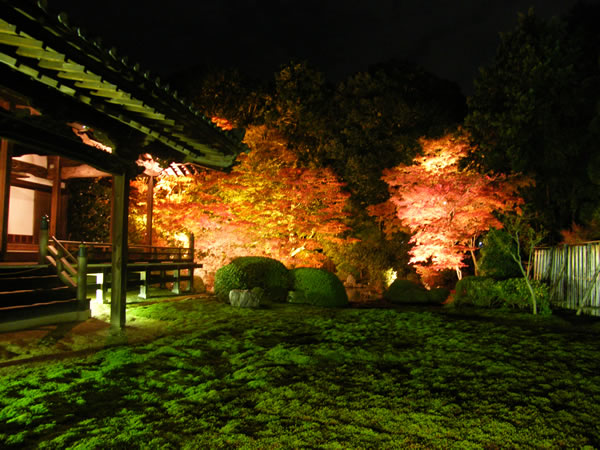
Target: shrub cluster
511,293
307,285
495,260
249,272
476,291
410,292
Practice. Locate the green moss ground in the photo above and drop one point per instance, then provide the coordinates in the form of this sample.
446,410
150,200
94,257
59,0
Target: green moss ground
297,376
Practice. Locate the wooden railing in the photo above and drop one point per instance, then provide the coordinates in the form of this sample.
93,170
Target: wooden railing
94,258
99,252
63,261
71,271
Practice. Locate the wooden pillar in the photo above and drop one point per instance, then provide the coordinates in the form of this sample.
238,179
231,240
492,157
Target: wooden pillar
149,209
191,246
5,167
176,289
119,251
145,276
43,240
82,257
54,173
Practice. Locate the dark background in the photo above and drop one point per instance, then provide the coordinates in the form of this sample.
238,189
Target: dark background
449,38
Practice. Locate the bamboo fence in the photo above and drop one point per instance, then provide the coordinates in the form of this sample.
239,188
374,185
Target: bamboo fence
573,272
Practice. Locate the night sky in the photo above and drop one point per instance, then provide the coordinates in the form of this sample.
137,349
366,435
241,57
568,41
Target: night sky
449,38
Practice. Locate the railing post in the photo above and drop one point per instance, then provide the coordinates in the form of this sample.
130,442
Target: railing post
191,241
176,277
82,260
191,258
43,240
59,263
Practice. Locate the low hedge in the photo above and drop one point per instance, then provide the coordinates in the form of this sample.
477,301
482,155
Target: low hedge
511,293
249,272
410,292
317,287
476,291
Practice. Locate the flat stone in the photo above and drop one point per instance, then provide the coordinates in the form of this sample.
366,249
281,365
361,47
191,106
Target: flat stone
243,298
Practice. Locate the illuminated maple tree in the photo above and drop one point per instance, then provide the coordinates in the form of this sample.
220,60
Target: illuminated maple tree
445,208
268,205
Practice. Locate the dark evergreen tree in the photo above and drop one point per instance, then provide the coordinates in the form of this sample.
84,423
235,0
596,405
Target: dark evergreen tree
533,112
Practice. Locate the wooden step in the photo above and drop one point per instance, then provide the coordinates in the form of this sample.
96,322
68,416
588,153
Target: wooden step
30,297
28,316
18,269
29,282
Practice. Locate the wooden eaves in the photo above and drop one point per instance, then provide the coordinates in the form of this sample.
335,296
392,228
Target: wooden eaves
41,47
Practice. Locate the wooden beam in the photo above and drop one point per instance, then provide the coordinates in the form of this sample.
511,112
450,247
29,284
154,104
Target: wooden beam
5,168
96,85
39,53
19,41
79,76
110,94
7,28
43,139
19,166
62,66
54,170
18,182
82,171
126,101
118,297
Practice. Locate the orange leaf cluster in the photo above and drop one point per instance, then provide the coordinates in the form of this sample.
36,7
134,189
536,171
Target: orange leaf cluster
266,206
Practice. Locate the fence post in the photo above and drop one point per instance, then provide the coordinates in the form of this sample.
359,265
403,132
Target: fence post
82,274
43,240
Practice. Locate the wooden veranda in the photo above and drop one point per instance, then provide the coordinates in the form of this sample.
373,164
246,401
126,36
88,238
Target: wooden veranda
70,107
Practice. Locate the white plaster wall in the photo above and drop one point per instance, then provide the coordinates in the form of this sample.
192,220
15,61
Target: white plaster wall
20,211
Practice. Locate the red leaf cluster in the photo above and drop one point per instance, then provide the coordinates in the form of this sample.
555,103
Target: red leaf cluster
444,207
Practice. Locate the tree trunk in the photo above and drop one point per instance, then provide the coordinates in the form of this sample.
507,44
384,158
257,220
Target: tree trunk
475,263
458,272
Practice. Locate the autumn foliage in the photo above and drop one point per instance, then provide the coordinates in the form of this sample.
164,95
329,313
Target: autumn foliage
445,208
268,205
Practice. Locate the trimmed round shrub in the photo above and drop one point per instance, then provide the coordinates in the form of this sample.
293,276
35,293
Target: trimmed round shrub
250,272
406,291
317,287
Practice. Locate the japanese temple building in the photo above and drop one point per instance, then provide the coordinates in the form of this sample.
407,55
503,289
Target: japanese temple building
69,107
